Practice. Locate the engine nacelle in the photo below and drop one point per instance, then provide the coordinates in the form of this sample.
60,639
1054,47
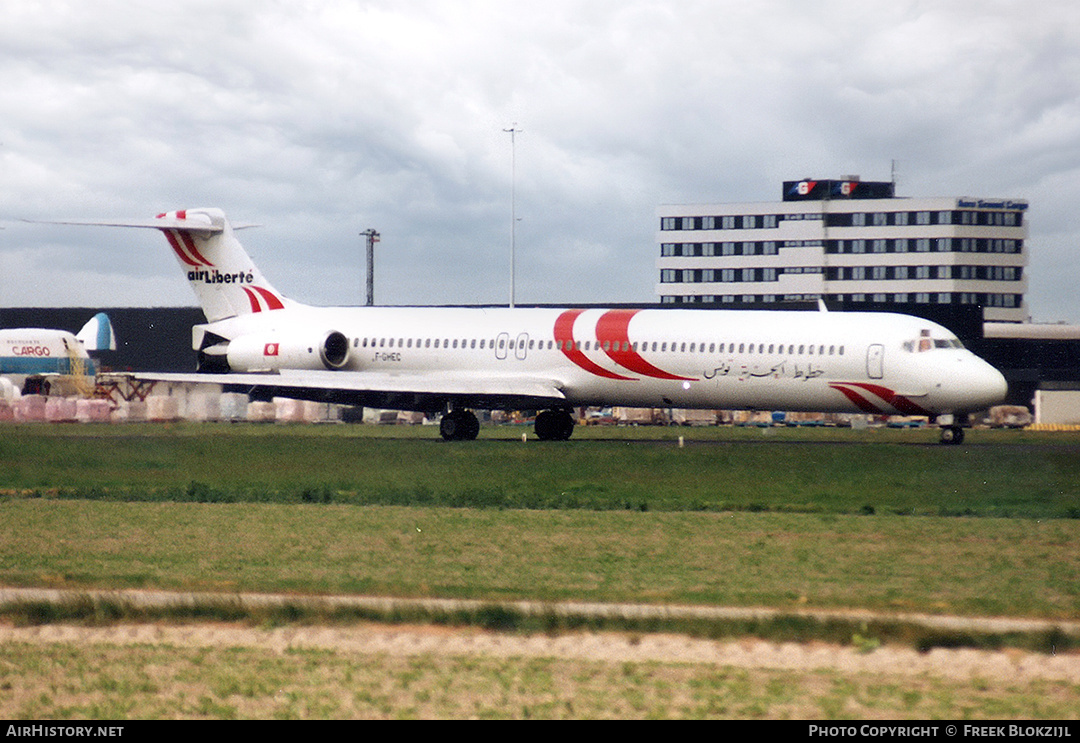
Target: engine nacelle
260,352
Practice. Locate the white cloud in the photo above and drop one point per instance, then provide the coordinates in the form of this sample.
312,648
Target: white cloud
322,119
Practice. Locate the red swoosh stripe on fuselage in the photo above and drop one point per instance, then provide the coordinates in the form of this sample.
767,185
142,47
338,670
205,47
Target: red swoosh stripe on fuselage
564,337
613,333
897,402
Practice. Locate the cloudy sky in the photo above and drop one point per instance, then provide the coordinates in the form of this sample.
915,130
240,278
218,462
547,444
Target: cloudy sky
320,119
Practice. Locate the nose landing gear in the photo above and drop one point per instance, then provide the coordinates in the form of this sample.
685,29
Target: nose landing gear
953,433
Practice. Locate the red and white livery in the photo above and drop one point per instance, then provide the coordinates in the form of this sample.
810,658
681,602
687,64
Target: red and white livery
453,360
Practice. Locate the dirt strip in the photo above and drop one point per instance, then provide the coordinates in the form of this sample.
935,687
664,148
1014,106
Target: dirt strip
605,647
371,638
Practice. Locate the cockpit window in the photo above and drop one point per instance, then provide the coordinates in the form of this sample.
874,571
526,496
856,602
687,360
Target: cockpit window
926,343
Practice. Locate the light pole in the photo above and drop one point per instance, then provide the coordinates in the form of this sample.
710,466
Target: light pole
513,130
372,238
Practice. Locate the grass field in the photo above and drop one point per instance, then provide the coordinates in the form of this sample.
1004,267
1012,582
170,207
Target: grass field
867,519
792,519
117,682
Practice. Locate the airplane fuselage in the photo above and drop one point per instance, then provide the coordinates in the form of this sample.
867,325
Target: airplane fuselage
764,360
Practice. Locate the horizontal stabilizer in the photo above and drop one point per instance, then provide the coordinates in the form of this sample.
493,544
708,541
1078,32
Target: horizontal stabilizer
163,223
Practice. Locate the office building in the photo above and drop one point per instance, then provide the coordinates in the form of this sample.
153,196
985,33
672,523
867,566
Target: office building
851,241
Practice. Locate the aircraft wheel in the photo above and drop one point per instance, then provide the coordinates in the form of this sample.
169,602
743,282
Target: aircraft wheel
544,426
952,435
459,425
554,425
471,427
565,425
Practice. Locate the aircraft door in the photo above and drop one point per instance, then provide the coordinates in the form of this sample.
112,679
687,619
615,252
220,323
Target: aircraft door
875,358
521,346
501,342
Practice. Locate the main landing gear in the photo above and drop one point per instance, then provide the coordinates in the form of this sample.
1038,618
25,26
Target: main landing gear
462,425
459,425
554,425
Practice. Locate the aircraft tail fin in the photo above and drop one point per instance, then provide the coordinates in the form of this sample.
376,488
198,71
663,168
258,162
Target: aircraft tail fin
222,275
97,334
225,280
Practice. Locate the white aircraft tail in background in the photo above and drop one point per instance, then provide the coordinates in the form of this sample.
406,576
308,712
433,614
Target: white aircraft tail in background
452,360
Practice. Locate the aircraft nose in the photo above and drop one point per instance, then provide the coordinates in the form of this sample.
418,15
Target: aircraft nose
988,386
971,385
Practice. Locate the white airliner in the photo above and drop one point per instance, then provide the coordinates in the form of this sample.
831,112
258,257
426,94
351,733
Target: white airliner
44,351
455,360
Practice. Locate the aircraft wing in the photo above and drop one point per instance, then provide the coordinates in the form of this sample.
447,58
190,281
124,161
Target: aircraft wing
422,392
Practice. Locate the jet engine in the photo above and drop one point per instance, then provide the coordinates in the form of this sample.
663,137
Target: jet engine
261,352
